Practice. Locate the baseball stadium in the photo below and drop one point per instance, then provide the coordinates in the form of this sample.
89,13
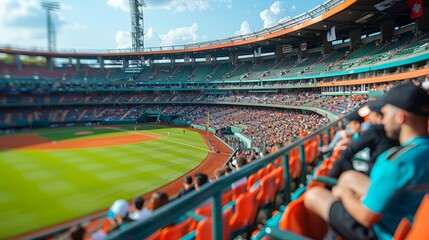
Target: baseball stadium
315,128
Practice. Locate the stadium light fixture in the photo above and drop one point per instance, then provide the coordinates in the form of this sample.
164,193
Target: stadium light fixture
51,7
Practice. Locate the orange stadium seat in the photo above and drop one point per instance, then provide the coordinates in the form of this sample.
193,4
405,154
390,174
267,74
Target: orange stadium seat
176,231
402,230
302,221
251,180
268,189
239,190
204,230
419,228
246,207
227,197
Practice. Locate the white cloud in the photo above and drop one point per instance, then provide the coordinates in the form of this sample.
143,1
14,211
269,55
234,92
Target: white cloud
276,8
183,5
123,40
244,29
120,4
268,18
23,23
180,5
65,7
293,8
75,27
151,38
176,36
285,19
271,16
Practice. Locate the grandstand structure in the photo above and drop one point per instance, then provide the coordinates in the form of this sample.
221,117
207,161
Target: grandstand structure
292,66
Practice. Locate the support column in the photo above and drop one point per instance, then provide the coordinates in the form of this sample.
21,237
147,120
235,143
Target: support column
422,23
279,55
233,58
77,64
125,63
17,61
387,30
101,62
50,64
355,39
327,46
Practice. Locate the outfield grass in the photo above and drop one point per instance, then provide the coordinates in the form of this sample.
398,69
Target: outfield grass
41,188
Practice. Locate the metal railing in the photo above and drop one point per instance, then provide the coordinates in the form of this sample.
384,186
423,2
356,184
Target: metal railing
170,213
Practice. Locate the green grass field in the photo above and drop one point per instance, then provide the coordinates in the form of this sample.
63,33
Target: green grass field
41,188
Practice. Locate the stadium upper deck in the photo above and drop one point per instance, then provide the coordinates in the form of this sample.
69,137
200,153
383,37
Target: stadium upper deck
368,39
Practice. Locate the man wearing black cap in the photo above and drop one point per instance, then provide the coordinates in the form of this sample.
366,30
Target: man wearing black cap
188,186
373,139
343,138
373,207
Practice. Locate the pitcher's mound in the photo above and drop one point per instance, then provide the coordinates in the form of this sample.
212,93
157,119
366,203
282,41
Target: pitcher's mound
83,133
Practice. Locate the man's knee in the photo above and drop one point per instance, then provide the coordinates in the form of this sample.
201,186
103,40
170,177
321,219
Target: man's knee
350,177
312,197
319,200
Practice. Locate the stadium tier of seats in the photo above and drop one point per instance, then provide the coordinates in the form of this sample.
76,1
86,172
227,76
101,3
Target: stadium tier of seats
369,53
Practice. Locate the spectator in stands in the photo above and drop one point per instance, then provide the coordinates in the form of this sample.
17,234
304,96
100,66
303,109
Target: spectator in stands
159,199
118,219
425,84
76,233
188,186
372,207
219,173
344,137
137,210
118,213
370,145
240,162
200,180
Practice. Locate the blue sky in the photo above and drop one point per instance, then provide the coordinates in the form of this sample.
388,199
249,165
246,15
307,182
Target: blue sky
105,24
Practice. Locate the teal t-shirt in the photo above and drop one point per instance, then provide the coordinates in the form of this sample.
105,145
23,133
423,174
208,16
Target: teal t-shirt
399,182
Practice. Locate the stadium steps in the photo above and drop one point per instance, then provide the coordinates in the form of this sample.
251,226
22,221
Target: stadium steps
8,118
412,43
100,114
82,114
126,114
63,115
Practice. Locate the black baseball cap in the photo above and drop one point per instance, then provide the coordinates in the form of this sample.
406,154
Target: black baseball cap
373,106
408,97
376,106
354,116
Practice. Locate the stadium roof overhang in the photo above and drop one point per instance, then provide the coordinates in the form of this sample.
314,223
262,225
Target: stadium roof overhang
349,16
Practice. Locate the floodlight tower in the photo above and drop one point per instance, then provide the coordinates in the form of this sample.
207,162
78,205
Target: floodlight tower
137,24
50,7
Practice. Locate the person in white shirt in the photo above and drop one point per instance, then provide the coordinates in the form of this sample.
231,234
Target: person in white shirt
137,210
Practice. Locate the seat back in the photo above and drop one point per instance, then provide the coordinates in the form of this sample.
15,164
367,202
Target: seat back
204,229
402,230
176,231
227,197
252,180
239,190
205,211
419,228
270,167
302,221
280,179
246,208
268,188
